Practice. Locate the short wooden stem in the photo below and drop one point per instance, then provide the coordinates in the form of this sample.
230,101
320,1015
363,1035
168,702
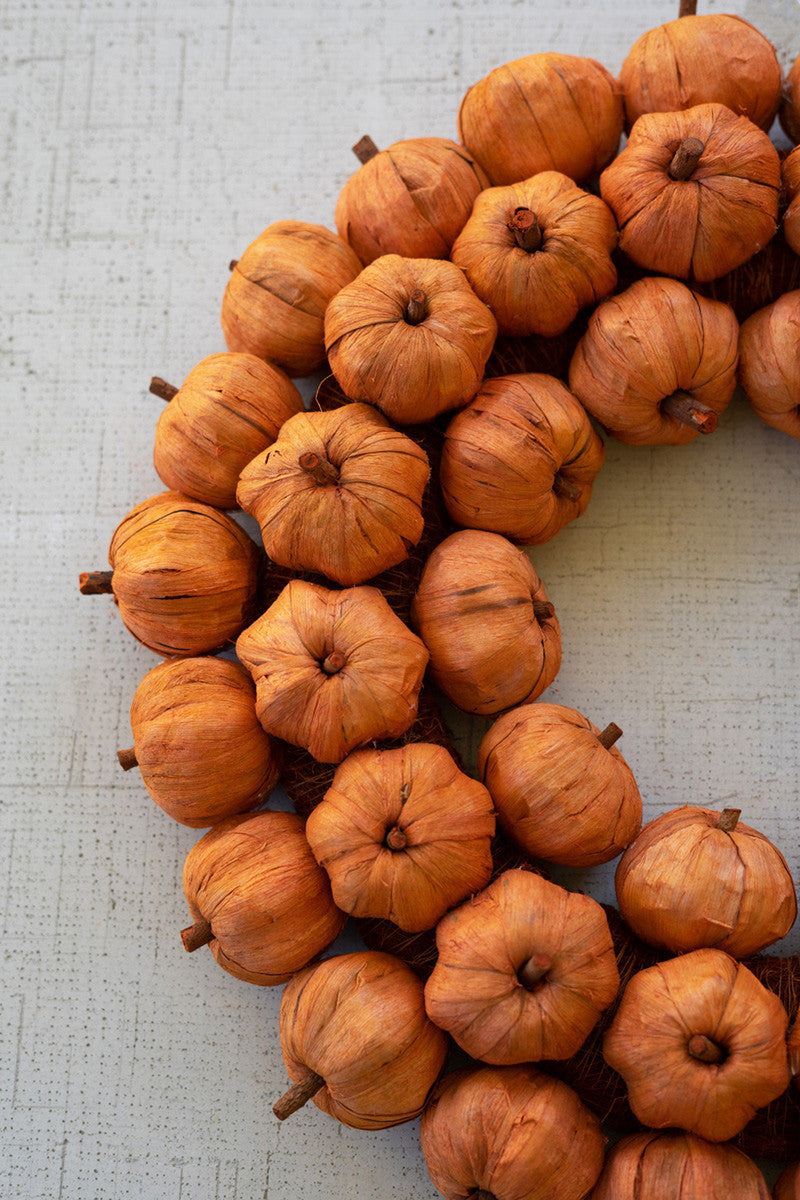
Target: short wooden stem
396,839
365,149
127,759
318,468
688,8
683,407
196,935
95,583
534,970
686,158
417,307
543,610
526,229
162,389
729,818
298,1095
482,1195
233,264
563,488
704,1050
612,733
333,663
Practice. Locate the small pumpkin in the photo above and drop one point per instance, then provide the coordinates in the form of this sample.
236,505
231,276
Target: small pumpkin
333,669
525,970
410,336
657,364
403,835
769,369
701,59
700,1044
184,575
787,1185
521,459
483,613
681,1166
338,492
545,112
356,1040
258,898
510,1133
537,252
227,410
410,199
275,301
790,103
198,742
790,174
694,193
562,790
694,877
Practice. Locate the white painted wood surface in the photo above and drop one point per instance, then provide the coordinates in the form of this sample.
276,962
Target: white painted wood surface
145,143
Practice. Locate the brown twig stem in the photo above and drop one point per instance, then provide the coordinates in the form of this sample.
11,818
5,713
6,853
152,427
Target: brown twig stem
532,972
688,8
320,470
333,663
162,389
95,583
729,818
526,229
612,733
298,1095
365,149
417,307
683,407
686,158
481,1194
563,488
704,1050
396,839
233,263
196,935
127,759
543,610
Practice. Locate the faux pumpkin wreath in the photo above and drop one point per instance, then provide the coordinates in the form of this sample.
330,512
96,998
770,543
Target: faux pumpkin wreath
339,672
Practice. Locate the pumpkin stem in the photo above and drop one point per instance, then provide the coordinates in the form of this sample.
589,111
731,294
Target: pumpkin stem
729,819
612,733
482,1195
686,158
532,972
683,407
196,935
543,610
333,663
365,149
566,490
320,470
233,263
127,759
526,229
396,839
688,8
417,307
162,389
704,1050
298,1095
95,583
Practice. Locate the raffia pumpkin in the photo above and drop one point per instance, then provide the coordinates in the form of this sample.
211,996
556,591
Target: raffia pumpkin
562,790
680,1166
410,336
184,575
356,1040
546,112
537,252
510,1133
227,410
700,59
403,835
790,103
694,193
258,898
694,877
525,970
198,742
769,367
483,613
521,459
790,174
333,669
339,493
657,364
700,1044
274,304
787,1186
410,199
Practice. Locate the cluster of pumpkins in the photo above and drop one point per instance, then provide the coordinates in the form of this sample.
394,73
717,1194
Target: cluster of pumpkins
391,557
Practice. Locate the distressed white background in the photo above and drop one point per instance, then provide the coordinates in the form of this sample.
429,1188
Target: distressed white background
145,143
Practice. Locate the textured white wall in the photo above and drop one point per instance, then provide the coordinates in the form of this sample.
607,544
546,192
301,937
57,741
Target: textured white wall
145,143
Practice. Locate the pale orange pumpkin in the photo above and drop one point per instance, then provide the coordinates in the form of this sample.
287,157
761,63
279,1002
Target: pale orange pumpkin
790,174
678,1166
